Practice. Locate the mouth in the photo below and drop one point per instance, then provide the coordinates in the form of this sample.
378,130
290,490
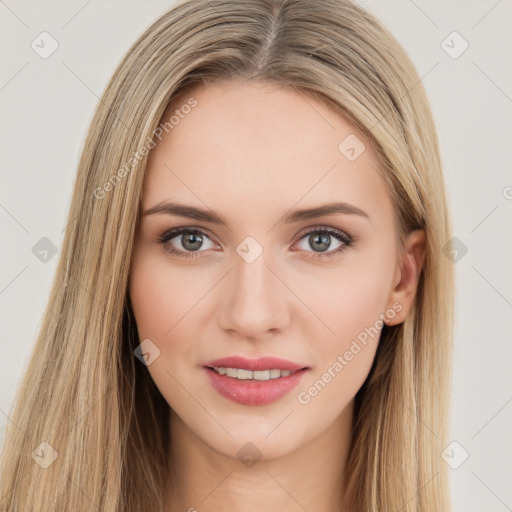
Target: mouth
254,382
254,375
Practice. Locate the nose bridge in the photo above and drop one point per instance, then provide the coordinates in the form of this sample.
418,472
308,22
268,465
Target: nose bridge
255,299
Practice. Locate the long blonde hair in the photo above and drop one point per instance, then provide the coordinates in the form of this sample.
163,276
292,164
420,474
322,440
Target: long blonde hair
84,394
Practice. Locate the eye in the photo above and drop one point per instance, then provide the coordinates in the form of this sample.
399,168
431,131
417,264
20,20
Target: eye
189,242
320,239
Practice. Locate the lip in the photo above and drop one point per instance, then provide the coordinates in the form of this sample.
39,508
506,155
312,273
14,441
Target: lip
251,392
262,363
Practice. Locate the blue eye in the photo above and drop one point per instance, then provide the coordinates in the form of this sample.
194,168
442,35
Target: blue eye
193,239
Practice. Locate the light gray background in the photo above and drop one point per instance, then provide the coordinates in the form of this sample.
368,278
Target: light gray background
47,105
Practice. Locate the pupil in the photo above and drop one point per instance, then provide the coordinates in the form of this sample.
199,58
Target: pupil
322,239
192,241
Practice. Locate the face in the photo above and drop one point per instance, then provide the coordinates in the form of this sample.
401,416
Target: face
260,277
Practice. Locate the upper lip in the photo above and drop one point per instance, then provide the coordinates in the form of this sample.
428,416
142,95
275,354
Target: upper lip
262,363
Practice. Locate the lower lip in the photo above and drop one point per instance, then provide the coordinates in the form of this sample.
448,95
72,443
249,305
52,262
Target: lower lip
251,392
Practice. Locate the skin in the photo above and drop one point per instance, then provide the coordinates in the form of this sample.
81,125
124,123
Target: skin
252,152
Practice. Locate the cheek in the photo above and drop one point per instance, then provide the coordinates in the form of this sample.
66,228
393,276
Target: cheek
360,305
168,305
163,302
355,317
149,303
348,299
161,296
343,359
351,302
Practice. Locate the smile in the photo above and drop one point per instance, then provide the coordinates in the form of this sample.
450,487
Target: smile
253,387
260,375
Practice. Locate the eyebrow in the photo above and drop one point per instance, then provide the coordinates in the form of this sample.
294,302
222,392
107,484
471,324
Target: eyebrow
204,215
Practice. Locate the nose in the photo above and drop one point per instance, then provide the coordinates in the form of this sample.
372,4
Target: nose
255,302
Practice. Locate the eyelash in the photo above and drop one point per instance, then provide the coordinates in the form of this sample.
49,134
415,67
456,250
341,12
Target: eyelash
336,233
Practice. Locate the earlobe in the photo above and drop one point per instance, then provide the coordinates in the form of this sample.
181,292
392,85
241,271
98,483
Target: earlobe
407,275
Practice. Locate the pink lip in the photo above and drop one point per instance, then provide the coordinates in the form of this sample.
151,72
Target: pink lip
263,363
251,392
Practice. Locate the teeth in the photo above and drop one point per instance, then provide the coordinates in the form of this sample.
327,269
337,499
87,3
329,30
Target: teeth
242,374
231,372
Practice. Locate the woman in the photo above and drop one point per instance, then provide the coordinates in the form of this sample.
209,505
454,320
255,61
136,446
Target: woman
252,309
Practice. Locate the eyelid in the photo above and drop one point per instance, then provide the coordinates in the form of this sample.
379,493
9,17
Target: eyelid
175,232
327,229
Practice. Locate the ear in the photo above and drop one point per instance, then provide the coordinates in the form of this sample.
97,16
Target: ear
406,277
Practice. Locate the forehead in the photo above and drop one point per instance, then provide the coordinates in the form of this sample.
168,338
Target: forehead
263,146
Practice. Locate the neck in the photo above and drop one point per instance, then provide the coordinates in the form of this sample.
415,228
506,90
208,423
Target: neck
308,478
